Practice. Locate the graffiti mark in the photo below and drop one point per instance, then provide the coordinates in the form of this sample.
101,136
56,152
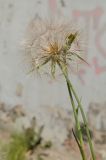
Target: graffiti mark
52,4
98,42
91,20
98,68
80,76
89,16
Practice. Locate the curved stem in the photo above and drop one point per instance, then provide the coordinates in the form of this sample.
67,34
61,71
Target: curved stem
81,144
80,140
84,119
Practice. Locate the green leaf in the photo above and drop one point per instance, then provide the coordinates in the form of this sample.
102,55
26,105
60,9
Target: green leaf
53,68
77,110
80,58
71,38
43,63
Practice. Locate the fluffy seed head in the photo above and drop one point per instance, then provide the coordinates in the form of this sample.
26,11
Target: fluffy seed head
50,44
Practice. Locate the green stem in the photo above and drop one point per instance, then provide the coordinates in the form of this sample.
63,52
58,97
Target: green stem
84,119
80,142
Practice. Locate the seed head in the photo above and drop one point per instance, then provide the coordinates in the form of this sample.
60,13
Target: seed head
49,44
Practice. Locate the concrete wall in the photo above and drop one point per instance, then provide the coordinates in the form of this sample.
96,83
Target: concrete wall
90,82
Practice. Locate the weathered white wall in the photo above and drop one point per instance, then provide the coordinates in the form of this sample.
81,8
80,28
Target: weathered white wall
15,15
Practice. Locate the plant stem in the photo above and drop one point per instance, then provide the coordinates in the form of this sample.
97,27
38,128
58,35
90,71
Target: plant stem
84,119
80,139
81,144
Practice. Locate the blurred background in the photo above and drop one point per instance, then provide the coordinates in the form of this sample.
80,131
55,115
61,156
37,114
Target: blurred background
90,82
44,97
